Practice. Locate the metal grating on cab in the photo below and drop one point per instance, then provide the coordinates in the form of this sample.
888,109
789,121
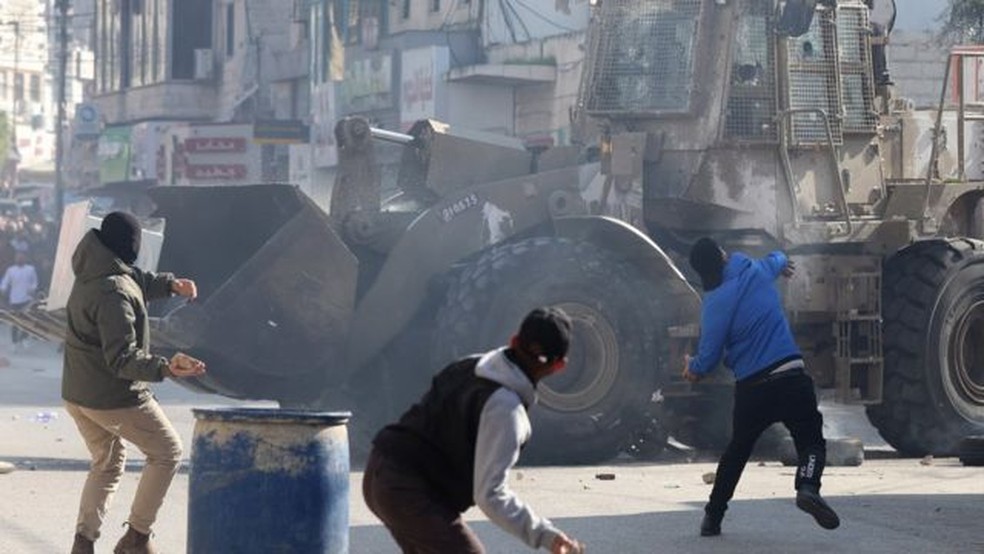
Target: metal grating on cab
645,56
752,98
813,82
857,82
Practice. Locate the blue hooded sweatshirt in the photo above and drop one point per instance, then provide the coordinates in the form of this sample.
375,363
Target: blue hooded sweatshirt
743,319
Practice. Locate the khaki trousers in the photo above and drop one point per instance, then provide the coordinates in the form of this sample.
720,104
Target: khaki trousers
147,427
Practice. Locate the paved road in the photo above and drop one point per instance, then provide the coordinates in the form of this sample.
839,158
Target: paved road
887,505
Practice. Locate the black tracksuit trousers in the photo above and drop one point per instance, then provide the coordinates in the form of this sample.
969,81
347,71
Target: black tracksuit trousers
759,403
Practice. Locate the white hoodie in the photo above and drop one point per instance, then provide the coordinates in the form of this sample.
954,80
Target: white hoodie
21,282
503,428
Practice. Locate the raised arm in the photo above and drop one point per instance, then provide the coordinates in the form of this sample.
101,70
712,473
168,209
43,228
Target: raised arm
775,263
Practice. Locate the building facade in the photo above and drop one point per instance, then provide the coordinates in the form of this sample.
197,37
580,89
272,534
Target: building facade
510,68
168,73
28,88
198,91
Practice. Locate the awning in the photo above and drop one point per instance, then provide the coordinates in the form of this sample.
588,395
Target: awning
502,74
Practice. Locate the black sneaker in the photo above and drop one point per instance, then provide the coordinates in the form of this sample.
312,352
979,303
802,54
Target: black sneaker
812,503
710,526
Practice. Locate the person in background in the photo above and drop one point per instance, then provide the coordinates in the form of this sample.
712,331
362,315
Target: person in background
20,243
455,447
742,319
107,366
19,284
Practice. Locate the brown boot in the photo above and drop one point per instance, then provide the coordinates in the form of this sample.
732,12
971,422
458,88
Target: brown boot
83,545
134,542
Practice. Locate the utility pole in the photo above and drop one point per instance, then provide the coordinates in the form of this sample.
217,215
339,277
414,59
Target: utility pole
17,103
13,82
62,6
14,105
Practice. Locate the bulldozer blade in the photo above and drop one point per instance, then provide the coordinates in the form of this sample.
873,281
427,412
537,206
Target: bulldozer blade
276,288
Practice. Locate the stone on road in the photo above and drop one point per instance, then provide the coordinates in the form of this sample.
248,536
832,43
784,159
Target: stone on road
886,505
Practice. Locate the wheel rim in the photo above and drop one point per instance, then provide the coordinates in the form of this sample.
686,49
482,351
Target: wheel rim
965,370
593,365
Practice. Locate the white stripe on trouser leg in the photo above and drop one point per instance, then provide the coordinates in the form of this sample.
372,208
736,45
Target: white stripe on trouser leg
806,472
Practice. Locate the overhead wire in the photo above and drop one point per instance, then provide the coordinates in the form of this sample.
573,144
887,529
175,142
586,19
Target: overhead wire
507,19
519,19
446,19
544,18
446,27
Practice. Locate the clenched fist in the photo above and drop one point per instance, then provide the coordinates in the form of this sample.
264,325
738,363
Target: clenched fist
563,544
185,287
183,365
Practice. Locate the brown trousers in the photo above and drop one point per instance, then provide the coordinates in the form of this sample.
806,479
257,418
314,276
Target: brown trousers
405,504
104,431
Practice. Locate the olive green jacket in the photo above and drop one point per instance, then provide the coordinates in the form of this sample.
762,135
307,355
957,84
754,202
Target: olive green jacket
107,343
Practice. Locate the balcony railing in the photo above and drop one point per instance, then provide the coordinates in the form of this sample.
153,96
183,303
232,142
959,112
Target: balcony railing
171,100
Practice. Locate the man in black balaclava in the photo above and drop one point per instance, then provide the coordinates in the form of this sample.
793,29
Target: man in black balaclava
108,365
120,232
743,322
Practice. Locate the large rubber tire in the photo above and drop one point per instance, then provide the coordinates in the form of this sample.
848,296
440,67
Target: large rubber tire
703,421
590,411
933,313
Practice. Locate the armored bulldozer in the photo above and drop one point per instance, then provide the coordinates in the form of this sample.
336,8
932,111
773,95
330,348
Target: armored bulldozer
357,307
775,125
764,124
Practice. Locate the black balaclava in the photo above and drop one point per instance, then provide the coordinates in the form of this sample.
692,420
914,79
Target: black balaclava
707,259
120,232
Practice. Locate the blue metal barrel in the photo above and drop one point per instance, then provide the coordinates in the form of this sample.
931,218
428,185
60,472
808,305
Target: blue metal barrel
269,481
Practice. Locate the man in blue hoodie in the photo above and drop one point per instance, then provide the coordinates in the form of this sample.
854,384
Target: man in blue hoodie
455,447
742,320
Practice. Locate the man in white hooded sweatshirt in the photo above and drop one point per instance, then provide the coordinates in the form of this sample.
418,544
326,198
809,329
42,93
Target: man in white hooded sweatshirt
455,447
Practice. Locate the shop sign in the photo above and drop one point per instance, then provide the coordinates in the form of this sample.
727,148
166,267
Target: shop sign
215,145
368,84
215,172
280,131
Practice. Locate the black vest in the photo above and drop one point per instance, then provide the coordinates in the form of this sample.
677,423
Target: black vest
436,437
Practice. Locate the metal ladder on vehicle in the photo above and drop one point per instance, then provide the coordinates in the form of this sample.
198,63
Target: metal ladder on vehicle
857,328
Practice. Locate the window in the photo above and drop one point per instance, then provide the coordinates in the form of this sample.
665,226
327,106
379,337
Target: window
230,30
857,86
369,25
103,54
812,82
405,13
3,84
647,63
319,43
35,88
352,30
125,45
195,32
751,101
140,60
155,49
18,86
435,5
